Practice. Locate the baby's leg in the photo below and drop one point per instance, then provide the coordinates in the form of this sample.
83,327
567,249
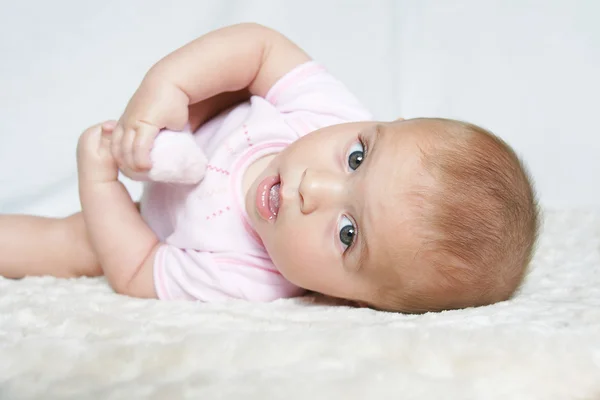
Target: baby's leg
45,246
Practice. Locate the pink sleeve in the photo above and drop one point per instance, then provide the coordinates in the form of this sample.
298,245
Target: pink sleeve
310,98
186,274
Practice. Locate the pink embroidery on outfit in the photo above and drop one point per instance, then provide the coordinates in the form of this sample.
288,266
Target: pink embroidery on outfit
217,213
217,169
247,135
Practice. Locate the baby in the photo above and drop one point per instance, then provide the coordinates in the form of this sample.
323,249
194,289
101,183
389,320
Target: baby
302,191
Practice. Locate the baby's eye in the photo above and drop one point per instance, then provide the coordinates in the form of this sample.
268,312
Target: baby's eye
356,155
347,231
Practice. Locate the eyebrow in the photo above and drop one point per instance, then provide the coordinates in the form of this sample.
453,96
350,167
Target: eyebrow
363,256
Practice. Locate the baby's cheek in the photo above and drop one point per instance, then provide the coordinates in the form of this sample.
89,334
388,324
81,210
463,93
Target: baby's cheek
290,257
289,252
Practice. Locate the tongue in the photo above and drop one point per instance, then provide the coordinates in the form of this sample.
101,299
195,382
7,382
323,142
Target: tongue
274,199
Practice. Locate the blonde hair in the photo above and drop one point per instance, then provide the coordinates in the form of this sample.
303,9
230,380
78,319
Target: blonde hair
477,226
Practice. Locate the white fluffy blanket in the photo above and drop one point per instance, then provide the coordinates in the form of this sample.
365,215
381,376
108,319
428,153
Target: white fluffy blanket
76,339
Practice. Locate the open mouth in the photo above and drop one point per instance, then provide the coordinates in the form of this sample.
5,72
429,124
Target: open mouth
268,197
274,198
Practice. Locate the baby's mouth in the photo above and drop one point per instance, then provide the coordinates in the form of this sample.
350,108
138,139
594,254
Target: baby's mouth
274,196
268,197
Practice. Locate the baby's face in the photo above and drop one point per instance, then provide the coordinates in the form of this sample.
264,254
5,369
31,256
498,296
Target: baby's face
327,207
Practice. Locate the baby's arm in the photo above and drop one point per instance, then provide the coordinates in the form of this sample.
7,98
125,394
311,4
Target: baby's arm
124,244
231,59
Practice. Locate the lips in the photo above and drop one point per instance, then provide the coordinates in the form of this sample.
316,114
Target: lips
268,197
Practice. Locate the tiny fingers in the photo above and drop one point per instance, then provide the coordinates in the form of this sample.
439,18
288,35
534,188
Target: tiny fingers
109,126
131,146
127,141
142,145
115,144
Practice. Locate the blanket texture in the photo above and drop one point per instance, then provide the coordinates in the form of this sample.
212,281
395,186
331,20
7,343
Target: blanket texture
77,339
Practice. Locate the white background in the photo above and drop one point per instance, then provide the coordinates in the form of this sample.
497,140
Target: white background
527,70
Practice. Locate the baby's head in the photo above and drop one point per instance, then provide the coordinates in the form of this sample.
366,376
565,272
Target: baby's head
474,218
412,216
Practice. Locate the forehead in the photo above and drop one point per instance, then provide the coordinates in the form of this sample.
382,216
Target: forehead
395,172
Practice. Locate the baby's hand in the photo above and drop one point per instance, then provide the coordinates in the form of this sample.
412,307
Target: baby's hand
95,162
157,104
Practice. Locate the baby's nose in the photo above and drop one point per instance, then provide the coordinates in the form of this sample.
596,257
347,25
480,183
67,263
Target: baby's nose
320,189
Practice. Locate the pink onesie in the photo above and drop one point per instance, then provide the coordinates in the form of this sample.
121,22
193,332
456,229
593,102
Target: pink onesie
210,251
